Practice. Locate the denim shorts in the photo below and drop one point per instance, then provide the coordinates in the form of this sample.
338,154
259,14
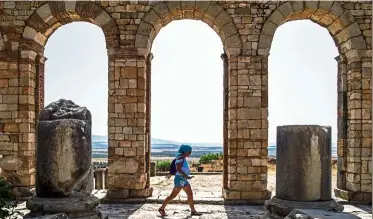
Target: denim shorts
180,181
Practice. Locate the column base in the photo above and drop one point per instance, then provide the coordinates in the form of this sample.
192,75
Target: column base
354,197
23,193
280,208
73,207
126,195
243,197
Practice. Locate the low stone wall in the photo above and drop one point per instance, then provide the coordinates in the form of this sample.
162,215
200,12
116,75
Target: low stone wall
272,161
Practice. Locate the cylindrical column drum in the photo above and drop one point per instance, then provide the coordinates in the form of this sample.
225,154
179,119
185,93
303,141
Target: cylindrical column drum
99,180
303,171
64,151
153,168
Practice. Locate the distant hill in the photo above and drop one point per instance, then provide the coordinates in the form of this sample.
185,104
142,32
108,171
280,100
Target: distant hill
99,141
165,148
161,141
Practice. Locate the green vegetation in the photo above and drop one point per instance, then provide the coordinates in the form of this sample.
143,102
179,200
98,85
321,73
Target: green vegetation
163,165
207,158
6,198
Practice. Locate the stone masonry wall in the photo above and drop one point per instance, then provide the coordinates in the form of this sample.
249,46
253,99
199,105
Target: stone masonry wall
246,29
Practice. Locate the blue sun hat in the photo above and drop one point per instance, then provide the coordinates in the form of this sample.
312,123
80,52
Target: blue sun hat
184,148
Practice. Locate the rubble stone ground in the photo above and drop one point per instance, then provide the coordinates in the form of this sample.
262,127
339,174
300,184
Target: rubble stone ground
207,189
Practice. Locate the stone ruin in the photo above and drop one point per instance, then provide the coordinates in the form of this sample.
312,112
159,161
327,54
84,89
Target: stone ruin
303,171
246,29
64,171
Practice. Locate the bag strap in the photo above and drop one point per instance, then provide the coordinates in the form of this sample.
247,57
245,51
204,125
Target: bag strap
183,160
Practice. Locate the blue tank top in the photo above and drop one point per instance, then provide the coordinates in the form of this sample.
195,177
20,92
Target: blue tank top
185,167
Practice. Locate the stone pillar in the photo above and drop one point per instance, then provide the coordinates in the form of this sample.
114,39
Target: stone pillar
149,59
127,176
247,131
354,182
224,57
64,171
24,126
303,171
153,169
342,121
100,178
39,85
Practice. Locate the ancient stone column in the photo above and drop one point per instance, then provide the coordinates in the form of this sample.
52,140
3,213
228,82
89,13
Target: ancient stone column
64,172
99,178
303,171
153,168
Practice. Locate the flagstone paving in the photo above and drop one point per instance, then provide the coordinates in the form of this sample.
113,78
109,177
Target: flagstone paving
207,192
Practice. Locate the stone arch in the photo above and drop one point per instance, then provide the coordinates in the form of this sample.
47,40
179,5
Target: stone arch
209,12
353,50
340,23
40,25
52,15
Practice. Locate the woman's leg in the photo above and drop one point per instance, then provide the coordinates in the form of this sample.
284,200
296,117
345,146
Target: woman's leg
189,192
173,194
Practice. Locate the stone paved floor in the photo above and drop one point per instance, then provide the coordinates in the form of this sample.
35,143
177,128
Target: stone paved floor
176,211
206,187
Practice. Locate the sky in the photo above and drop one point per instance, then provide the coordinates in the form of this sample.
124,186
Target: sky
187,78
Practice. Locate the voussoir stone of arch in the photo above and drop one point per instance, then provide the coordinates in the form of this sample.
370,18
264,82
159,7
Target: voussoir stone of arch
214,9
223,18
161,9
276,17
29,33
269,28
233,41
202,5
357,43
286,9
102,19
325,5
151,17
336,10
141,41
297,6
45,12
229,29
313,5
346,18
351,31
265,41
145,28
187,5
70,5
173,6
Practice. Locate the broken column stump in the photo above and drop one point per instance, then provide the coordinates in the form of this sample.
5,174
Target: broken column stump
64,172
153,169
303,170
100,178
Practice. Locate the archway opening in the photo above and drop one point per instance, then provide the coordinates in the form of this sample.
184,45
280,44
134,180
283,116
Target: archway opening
187,104
77,69
302,84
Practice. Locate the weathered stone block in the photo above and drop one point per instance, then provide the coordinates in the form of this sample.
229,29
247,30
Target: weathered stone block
64,151
303,170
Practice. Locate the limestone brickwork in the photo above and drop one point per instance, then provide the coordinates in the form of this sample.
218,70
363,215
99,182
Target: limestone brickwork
246,29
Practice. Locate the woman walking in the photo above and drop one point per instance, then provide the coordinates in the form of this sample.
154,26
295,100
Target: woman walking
181,181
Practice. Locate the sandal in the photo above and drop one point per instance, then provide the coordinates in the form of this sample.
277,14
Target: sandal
162,212
195,213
